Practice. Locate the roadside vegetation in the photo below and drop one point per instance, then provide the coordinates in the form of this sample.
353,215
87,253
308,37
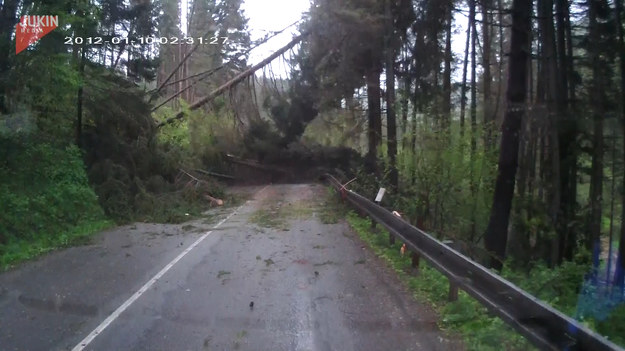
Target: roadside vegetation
80,149
480,330
45,200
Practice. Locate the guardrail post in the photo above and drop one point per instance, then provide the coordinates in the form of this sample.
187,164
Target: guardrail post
453,291
415,260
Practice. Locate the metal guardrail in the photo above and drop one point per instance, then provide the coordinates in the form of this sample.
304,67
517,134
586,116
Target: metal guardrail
541,324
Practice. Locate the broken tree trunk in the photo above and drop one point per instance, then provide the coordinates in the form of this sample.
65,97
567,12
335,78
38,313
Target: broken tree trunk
218,202
234,81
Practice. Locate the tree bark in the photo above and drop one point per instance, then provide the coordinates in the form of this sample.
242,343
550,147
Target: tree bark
447,71
473,113
404,104
375,117
567,138
619,277
496,235
552,104
391,123
79,103
463,88
489,117
598,99
8,20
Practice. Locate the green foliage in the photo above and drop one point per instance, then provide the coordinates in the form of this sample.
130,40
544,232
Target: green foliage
45,199
261,139
614,325
134,170
442,186
44,97
176,133
558,286
202,135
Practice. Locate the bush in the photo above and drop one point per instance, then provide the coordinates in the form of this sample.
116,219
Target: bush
44,195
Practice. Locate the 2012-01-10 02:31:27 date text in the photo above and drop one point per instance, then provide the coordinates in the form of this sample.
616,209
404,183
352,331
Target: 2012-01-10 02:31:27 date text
144,40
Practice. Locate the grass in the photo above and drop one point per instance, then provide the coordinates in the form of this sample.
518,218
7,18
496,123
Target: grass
222,273
239,338
479,330
276,217
329,209
23,249
267,219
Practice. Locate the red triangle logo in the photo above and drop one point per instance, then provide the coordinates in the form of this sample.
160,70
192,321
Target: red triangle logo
31,29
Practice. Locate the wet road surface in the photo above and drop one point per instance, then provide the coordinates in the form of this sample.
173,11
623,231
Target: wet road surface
190,287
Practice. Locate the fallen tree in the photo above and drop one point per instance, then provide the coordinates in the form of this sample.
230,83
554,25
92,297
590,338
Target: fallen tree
239,78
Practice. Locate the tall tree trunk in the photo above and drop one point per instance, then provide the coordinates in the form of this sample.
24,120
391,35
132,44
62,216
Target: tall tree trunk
8,20
567,138
569,247
489,118
391,125
447,71
463,88
598,101
570,69
620,268
553,105
416,99
375,117
496,235
473,113
545,107
500,66
407,82
79,103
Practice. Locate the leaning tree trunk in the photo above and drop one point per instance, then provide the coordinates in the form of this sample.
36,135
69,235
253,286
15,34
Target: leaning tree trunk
496,235
240,78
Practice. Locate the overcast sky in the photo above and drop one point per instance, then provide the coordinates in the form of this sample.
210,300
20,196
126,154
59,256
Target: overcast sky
273,15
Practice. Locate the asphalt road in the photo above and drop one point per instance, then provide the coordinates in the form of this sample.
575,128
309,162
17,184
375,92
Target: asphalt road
189,287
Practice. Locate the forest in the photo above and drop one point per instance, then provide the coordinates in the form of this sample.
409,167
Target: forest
497,124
